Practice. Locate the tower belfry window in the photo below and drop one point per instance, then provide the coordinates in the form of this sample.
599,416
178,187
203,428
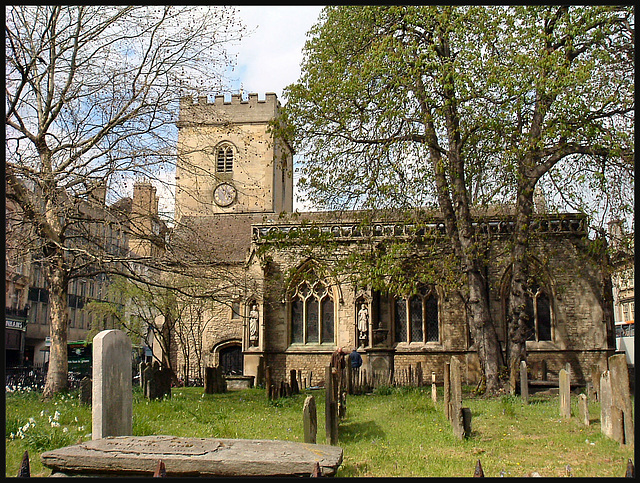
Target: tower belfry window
225,159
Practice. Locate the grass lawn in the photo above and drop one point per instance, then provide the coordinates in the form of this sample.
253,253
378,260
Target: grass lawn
393,432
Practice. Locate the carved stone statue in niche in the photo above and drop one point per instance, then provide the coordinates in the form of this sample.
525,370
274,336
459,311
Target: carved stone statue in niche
363,323
253,325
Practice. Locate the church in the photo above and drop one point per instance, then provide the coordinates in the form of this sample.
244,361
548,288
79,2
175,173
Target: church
282,306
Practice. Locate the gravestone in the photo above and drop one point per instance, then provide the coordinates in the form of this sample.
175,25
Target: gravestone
310,420
456,399
112,395
583,408
157,381
524,382
331,407
565,394
466,422
620,397
605,398
85,390
141,367
131,456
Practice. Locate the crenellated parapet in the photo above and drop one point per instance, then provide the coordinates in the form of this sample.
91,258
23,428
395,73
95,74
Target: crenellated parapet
238,110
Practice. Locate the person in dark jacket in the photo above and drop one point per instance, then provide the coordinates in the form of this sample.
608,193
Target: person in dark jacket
356,359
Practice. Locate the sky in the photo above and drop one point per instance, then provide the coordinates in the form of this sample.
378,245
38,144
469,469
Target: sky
269,57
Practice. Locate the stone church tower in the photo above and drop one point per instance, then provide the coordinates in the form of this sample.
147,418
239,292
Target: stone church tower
231,173
229,162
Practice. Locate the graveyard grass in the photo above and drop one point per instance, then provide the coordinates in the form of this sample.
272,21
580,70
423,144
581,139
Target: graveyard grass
392,432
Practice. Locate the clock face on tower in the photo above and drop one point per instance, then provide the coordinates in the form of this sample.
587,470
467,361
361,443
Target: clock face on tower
224,194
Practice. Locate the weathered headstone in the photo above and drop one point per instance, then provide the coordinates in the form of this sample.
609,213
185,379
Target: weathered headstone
294,382
112,396
524,382
621,397
604,395
143,365
565,394
85,390
466,422
310,420
583,408
331,407
419,374
137,456
447,390
456,399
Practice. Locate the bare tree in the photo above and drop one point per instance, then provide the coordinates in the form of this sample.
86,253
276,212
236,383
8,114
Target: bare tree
92,95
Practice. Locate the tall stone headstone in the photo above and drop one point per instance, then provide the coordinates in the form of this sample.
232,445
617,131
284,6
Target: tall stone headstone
604,396
565,394
583,408
621,397
112,395
524,382
310,420
331,407
456,399
85,390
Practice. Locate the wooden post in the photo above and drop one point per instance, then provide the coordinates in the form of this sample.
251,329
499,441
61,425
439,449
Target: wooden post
565,394
25,471
524,382
267,382
447,390
434,393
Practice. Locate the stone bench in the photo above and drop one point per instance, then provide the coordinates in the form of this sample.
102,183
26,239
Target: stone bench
139,456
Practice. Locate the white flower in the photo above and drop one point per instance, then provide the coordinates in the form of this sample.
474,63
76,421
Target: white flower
56,416
80,428
65,430
12,435
76,419
55,424
32,421
42,413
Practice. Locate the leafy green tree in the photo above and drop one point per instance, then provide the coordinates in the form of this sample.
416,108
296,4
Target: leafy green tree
461,109
564,95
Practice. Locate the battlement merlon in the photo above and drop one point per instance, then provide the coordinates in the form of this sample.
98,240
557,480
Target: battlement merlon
237,111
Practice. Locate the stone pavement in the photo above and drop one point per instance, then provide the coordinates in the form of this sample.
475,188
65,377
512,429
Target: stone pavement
139,456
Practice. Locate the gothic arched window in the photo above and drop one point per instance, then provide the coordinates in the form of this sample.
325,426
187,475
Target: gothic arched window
312,313
539,311
416,317
224,159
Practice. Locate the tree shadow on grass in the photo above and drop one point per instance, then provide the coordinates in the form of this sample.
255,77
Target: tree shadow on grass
357,431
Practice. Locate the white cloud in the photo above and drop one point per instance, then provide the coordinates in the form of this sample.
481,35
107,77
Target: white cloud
269,57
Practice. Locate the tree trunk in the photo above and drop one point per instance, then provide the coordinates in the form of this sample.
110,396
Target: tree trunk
517,317
484,333
57,373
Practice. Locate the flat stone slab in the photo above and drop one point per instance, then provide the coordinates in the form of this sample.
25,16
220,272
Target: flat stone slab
139,455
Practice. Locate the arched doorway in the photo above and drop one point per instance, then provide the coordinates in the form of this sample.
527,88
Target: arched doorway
232,360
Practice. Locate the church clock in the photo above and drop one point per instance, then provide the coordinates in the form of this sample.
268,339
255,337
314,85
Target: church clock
224,194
